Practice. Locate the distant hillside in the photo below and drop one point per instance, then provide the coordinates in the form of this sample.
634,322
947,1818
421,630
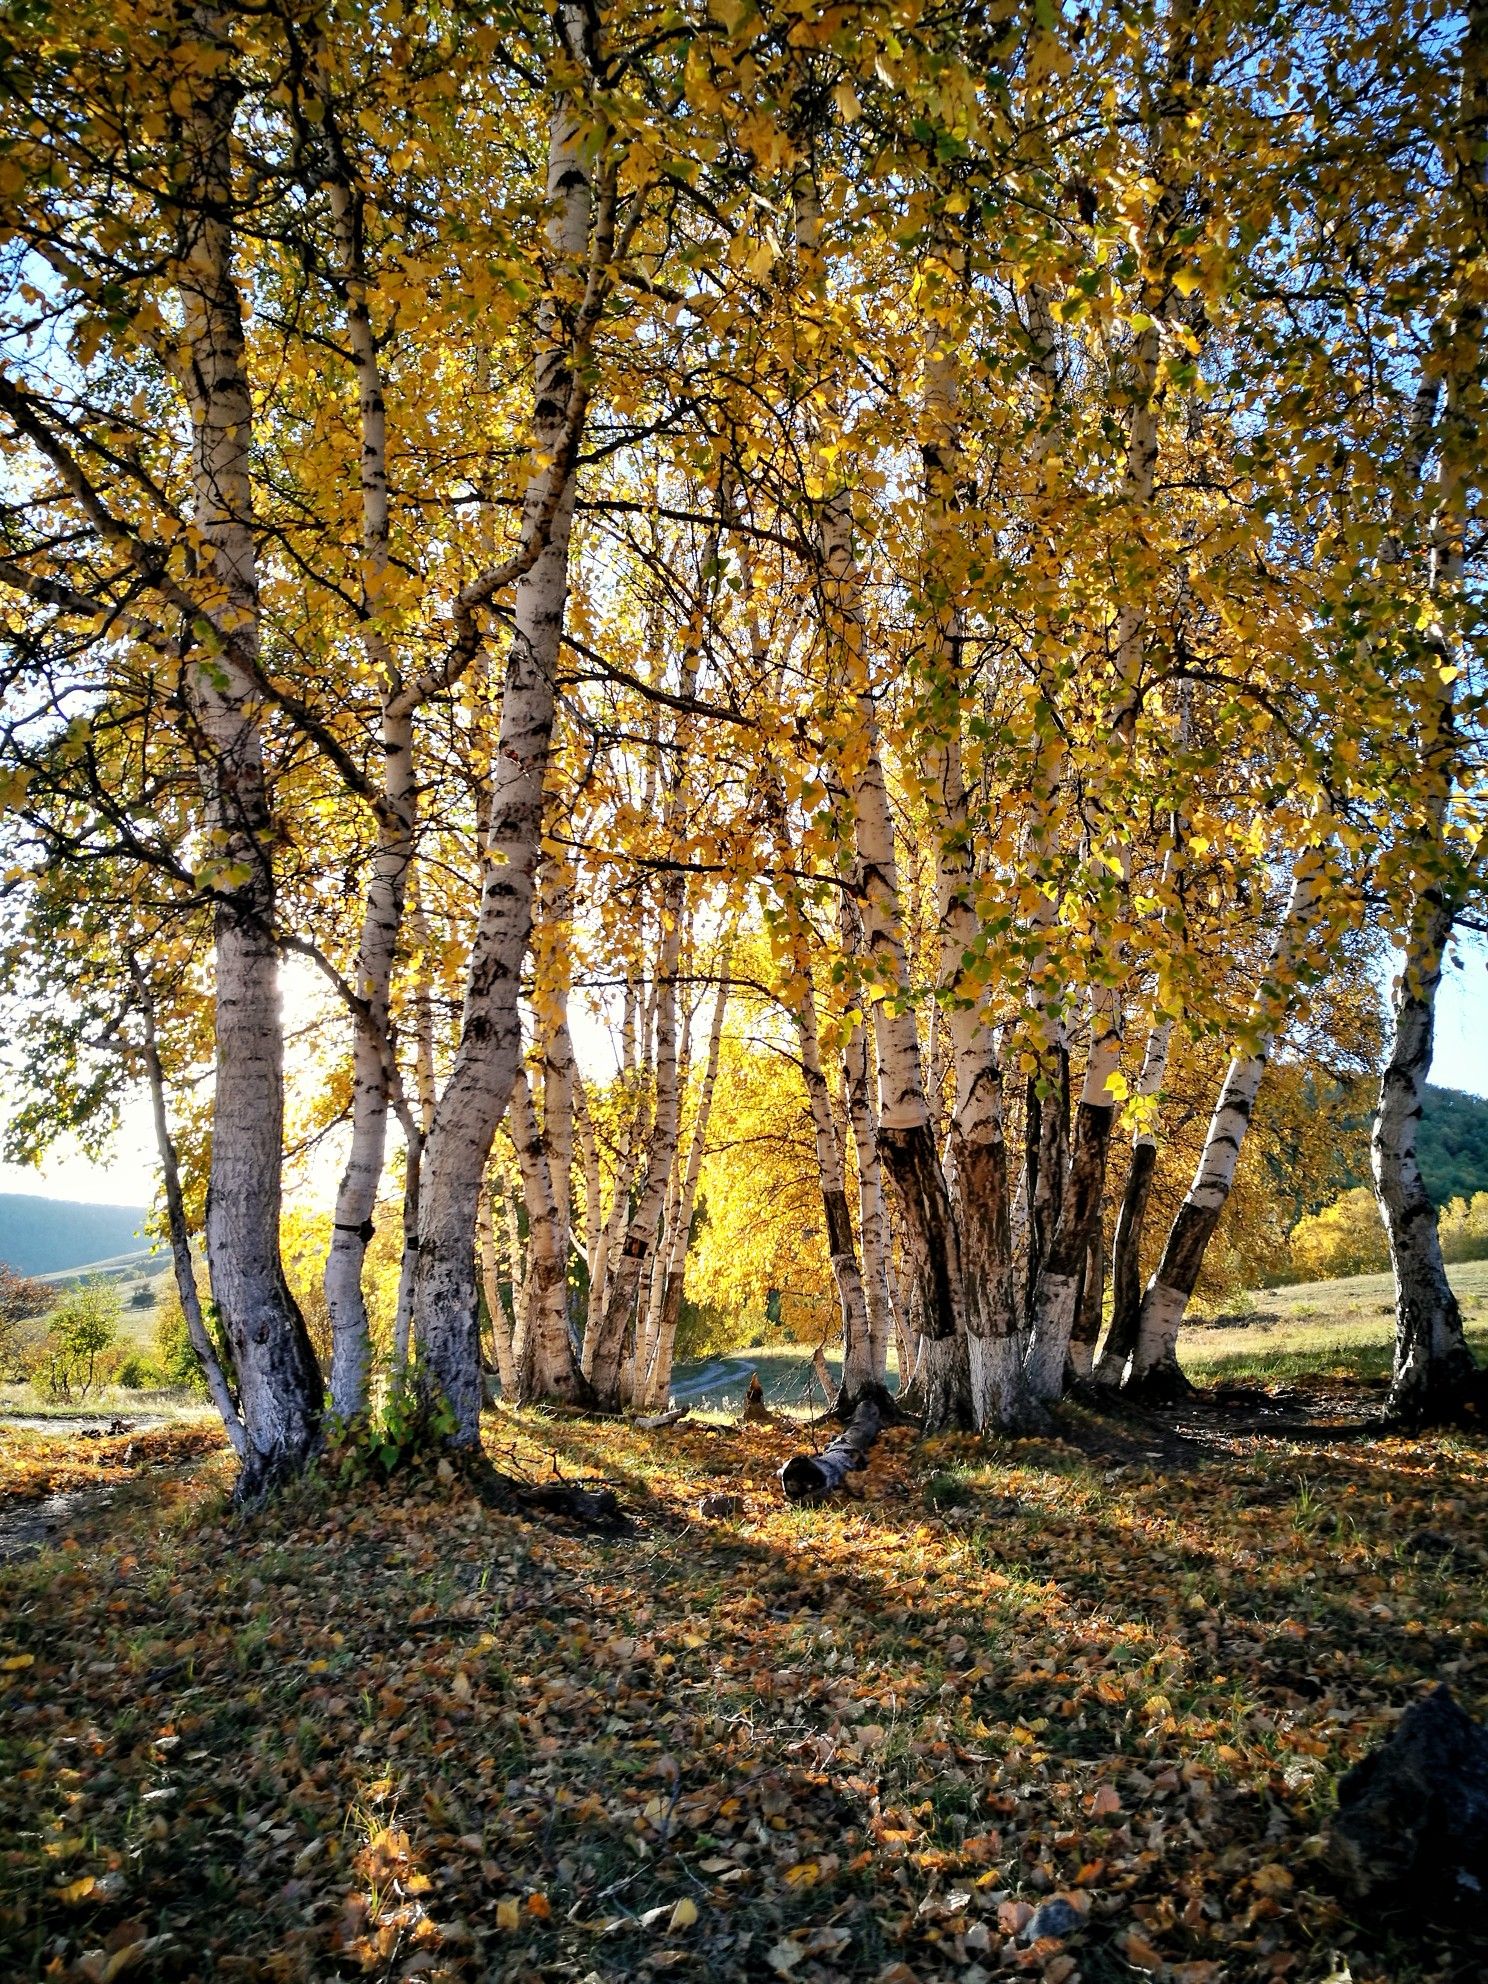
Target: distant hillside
1454,1144
41,1236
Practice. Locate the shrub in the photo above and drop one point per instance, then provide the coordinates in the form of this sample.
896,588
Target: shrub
23,1301
142,1297
1464,1228
138,1374
1347,1237
176,1360
81,1334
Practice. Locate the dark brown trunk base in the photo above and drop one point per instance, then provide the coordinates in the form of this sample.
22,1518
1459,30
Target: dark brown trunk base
1454,1393
1164,1384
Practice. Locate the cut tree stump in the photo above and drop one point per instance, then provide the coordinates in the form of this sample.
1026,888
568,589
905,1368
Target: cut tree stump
1412,1822
811,1477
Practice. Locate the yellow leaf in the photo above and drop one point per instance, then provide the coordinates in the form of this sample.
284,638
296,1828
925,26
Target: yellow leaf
508,1914
78,1890
684,1914
1186,282
14,1662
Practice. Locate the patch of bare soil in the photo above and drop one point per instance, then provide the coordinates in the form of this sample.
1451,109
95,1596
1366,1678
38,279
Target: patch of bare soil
1210,1422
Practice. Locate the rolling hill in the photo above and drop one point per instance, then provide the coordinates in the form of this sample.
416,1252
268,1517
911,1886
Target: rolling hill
48,1236
1453,1144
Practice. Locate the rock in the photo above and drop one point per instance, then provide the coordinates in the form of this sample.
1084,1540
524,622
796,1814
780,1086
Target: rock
1055,1917
716,1507
1413,1817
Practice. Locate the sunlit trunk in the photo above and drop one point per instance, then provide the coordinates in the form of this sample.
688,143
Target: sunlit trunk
486,1061
382,915
1154,1366
218,1388
659,1371
1056,1292
1126,1250
543,1353
279,1382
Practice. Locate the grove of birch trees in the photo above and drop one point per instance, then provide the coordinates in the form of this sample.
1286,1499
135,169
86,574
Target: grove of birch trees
906,572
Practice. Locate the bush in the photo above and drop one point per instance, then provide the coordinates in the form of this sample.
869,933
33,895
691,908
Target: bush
23,1301
1345,1238
142,1297
176,1360
1464,1229
80,1338
138,1374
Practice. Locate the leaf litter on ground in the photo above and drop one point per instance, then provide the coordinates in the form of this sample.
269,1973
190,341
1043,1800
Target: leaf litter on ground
1009,1711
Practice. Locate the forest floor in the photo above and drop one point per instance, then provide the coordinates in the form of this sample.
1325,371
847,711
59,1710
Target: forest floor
397,1732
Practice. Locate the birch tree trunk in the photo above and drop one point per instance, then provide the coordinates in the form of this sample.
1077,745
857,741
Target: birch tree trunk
605,1355
356,1199
1066,1250
857,1368
1126,1248
872,1225
991,1363
1056,1292
485,1065
279,1382
218,1388
1434,1372
1154,1367
490,1274
545,1367
426,1095
906,1137
658,1377
1433,1368
1088,1310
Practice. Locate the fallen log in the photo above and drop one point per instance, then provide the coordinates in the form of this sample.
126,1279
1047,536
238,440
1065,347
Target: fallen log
655,1420
812,1477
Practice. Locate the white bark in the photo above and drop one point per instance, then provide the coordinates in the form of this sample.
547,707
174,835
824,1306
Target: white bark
605,1354
356,1198
543,1353
1057,1290
872,1220
218,1388
1154,1362
490,1273
659,1371
1434,1371
426,1096
1126,1287
486,1061
279,1382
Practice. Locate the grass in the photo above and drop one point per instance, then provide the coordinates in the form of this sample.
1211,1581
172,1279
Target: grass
1338,1329
25,1401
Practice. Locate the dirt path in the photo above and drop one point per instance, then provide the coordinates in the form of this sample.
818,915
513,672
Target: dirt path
79,1424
